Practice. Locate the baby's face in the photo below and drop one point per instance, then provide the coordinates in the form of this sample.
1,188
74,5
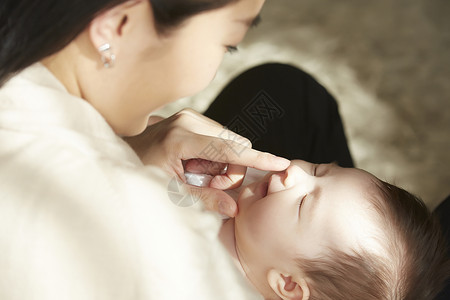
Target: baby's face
301,212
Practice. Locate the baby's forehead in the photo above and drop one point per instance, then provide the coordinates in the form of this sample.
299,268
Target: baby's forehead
360,188
361,176
356,222
362,228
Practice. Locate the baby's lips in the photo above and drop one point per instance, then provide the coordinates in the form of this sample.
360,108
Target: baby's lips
263,189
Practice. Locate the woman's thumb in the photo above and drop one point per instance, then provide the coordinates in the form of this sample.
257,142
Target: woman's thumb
215,200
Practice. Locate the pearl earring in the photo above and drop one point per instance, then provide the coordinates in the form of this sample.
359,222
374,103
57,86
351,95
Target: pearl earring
107,56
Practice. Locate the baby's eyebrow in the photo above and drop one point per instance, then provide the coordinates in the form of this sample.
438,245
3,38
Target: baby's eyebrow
328,168
334,163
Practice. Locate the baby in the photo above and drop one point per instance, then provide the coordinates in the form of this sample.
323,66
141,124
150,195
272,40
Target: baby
326,232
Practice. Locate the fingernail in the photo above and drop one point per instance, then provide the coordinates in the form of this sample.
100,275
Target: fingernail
282,162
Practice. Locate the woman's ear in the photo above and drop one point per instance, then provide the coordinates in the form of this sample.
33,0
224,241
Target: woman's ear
286,287
109,27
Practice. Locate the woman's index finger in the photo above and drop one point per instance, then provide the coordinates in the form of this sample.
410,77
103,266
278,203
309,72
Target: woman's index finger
230,152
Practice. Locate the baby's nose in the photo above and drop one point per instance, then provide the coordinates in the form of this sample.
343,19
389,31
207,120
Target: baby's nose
293,175
286,179
277,182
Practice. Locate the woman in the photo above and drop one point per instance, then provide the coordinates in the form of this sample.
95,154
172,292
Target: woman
127,62
81,216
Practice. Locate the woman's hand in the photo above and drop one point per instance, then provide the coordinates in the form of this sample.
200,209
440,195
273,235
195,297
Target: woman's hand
189,141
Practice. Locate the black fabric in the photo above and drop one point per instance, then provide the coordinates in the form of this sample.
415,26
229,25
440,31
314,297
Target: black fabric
284,111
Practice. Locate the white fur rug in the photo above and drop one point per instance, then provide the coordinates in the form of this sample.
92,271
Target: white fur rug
388,65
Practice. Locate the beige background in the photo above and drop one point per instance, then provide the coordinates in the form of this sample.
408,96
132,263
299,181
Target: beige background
388,64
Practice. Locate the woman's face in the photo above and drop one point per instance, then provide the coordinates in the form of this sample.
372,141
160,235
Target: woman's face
152,70
301,212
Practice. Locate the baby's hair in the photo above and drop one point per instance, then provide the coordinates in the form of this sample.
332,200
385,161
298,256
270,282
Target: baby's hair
414,265
339,275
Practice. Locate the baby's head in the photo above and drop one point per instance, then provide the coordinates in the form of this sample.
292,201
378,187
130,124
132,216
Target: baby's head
325,232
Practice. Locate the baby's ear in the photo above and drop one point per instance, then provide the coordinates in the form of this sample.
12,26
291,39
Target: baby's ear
286,287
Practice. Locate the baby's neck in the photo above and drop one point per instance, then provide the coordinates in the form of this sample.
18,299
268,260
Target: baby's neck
228,239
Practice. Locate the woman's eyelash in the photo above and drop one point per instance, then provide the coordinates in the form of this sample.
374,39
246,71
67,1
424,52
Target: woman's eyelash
232,49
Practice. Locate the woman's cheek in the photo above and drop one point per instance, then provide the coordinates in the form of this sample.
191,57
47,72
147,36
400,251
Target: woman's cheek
207,63
203,73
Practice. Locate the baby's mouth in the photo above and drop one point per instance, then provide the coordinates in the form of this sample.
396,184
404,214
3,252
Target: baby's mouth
263,189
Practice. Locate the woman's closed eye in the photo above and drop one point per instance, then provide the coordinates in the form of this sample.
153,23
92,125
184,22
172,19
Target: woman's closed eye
232,49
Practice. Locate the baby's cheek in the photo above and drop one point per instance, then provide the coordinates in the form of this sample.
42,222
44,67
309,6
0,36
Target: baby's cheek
267,227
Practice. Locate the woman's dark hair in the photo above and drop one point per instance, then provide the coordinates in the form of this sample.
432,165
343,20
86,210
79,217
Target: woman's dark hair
32,30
